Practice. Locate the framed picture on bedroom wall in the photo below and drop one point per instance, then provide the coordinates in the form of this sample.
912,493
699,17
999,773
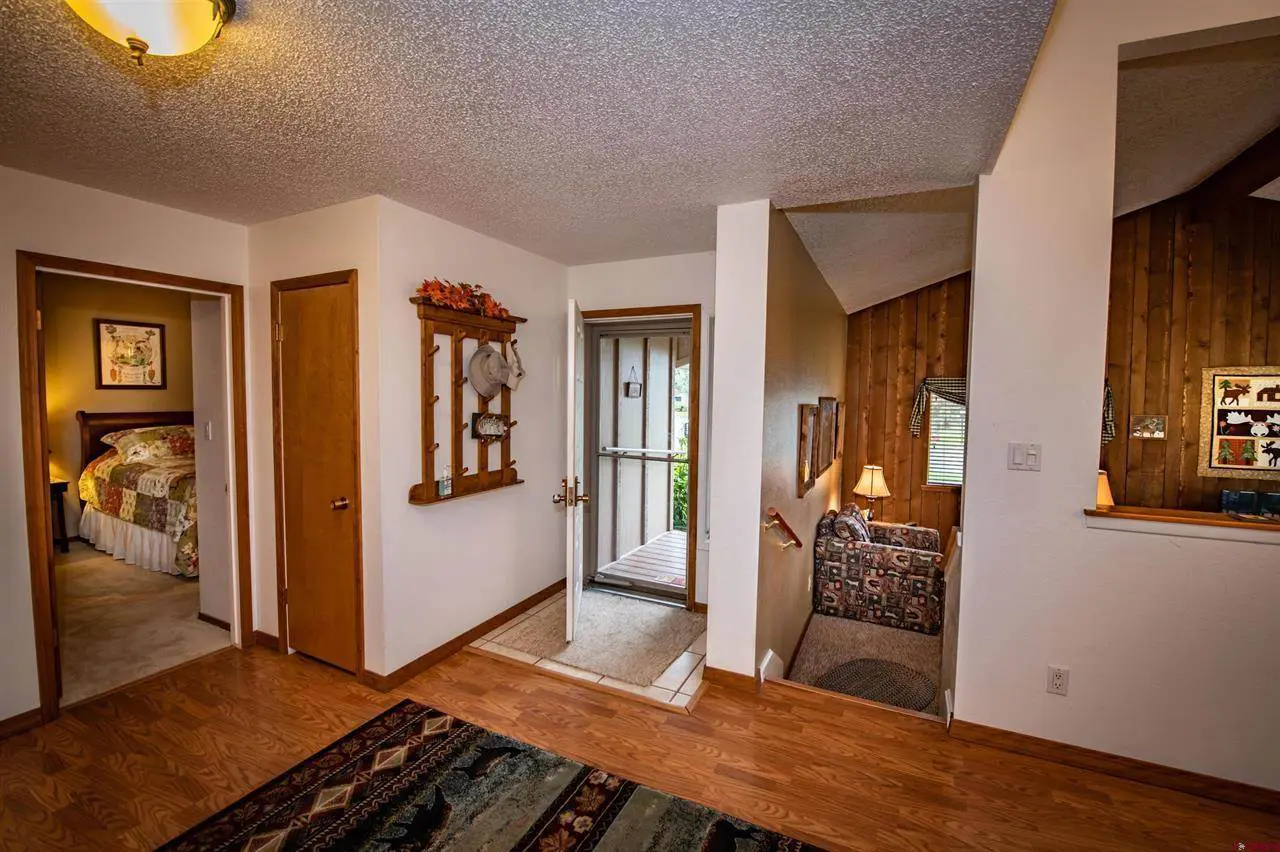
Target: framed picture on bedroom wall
129,355
1240,422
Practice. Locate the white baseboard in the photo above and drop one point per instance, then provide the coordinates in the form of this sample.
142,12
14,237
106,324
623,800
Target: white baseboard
771,667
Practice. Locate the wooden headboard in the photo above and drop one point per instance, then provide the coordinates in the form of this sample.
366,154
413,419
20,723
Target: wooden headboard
93,425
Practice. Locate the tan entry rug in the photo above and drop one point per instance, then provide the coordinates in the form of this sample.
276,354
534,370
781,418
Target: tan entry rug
619,637
416,779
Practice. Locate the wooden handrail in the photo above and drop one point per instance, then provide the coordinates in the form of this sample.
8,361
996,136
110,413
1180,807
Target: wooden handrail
776,520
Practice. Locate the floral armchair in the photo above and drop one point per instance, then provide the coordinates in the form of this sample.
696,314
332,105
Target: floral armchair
886,574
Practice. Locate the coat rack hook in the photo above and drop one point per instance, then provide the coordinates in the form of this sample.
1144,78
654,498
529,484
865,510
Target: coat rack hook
434,350
435,399
435,447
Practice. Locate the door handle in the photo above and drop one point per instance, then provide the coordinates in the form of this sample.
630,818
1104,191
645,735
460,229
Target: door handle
583,498
563,496
339,503
579,497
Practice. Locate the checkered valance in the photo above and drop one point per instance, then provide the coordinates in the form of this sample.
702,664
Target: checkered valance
957,391
952,390
1108,413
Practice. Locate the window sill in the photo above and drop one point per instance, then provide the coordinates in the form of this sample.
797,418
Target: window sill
946,488
1183,523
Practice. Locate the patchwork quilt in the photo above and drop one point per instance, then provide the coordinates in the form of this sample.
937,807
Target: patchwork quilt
158,494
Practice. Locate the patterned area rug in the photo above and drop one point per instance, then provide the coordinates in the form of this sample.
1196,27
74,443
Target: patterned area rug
416,779
880,680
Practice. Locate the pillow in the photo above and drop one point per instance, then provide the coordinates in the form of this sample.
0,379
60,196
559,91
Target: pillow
153,442
827,524
850,524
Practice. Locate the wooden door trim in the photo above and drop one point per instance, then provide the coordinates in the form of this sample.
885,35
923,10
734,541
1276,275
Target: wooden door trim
324,279
695,424
36,449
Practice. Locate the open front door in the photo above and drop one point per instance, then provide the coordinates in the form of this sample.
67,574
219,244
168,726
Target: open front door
575,453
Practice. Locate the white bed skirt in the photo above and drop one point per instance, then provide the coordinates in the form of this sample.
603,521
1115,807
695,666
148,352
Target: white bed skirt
136,545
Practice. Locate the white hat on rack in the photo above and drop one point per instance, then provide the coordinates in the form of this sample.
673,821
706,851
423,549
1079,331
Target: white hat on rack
488,371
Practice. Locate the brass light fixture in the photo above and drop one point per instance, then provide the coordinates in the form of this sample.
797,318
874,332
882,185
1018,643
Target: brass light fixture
157,27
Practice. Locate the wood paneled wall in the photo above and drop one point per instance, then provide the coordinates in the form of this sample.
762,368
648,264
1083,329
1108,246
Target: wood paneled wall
891,348
1189,289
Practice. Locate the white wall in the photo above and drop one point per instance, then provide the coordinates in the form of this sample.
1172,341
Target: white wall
53,217
737,432
679,279
805,327
344,236
1171,641
209,370
450,566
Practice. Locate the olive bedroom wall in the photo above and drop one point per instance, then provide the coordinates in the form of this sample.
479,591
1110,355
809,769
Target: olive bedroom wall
71,303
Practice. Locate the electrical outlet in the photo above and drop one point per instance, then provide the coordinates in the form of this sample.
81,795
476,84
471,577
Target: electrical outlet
1059,678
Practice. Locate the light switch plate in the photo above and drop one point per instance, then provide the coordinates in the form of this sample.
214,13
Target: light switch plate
1024,456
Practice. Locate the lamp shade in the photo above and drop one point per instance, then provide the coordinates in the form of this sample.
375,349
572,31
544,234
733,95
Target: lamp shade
871,483
160,27
1105,500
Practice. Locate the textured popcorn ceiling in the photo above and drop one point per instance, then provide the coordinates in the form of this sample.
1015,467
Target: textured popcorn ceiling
880,248
584,131
1182,116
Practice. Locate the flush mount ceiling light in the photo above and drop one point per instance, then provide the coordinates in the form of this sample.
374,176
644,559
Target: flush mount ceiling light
158,27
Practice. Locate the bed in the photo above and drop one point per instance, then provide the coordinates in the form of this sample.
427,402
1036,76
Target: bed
138,488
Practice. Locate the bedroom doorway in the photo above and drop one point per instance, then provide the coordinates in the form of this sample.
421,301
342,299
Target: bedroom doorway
317,465
132,399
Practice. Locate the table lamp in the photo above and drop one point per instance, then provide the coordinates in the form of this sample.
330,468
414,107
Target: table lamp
1105,500
871,485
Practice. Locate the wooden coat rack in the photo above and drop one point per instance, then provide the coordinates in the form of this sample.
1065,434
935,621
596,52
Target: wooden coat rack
457,327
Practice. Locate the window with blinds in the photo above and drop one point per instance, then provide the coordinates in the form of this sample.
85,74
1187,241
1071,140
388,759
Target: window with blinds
946,442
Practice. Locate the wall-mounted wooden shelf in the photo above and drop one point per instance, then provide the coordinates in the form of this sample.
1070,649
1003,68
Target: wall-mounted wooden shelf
443,327
1181,516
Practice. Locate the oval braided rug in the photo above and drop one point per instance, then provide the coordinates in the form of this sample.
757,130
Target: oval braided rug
880,680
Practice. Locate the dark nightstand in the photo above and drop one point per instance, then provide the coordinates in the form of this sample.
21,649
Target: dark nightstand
58,490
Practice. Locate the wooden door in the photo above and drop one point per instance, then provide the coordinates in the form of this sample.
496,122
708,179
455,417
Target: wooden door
318,466
56,607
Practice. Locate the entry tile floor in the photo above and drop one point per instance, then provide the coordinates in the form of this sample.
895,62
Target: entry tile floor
675,686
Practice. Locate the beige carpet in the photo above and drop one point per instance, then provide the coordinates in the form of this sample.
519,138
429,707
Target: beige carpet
619,637
119,623
830,641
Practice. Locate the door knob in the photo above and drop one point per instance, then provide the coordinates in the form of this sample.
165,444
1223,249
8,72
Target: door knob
338,504
583,498
563,496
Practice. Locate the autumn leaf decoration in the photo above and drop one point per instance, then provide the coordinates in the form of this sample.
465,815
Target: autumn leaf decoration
468,298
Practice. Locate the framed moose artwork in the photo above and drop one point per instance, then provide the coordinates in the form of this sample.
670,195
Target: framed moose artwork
1240,422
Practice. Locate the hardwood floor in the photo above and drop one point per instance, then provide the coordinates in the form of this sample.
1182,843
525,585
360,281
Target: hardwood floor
133,768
